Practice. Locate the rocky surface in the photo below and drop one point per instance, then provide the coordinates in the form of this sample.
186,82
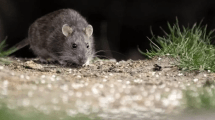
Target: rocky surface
143,89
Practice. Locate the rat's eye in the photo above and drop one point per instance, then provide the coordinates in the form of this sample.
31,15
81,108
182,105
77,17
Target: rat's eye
87,45
74,45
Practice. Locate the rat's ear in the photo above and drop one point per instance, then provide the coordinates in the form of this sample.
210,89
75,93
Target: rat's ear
66,30
89,30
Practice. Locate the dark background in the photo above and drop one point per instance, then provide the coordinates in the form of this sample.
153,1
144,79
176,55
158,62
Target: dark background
119,25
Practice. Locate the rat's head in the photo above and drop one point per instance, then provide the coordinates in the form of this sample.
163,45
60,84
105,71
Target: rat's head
78,46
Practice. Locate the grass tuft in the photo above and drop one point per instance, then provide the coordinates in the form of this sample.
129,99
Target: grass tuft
200,97
190,46
5,53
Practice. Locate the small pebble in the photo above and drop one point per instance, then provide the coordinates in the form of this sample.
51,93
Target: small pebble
119,80
22,76
5,83
111,74
195,80
43,76
43,81
27,77
180,74
78,76
1,67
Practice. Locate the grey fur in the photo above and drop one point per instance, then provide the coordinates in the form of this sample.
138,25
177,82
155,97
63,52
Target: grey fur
48,42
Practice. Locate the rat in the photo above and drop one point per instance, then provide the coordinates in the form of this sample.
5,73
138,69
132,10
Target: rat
63,36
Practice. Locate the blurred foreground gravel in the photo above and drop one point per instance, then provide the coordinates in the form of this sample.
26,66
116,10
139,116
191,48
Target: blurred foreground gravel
105,89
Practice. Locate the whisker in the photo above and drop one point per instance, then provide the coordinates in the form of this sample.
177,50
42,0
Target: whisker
110,51
99,51
99,56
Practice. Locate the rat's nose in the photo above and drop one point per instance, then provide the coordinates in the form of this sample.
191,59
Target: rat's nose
82,61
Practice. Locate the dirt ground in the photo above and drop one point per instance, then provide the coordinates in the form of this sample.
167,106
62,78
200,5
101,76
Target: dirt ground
137,90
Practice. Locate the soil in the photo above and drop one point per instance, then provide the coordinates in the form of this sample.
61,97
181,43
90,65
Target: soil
137,90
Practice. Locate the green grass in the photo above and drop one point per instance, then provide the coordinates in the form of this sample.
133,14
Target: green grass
199,98
24,114
4,53
190,46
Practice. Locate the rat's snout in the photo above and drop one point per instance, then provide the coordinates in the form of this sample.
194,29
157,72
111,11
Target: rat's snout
82,60
78,60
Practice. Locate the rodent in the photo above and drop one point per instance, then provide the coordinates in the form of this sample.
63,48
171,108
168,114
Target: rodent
64,36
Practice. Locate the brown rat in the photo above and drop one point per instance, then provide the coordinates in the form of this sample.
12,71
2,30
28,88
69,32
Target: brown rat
63,36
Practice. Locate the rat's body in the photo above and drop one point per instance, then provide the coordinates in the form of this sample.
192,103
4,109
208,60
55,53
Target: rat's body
63,36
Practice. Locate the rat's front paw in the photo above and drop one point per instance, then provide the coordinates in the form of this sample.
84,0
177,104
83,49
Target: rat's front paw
46,61
43,61
62,62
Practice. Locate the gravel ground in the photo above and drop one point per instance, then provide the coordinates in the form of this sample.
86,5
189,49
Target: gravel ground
137,90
